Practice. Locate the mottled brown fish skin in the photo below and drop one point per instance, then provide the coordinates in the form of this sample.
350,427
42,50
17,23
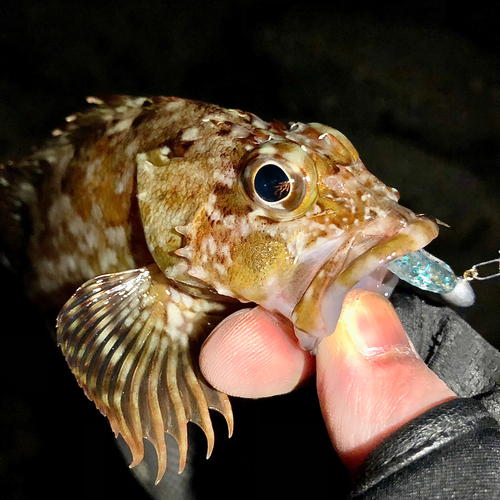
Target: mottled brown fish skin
85,220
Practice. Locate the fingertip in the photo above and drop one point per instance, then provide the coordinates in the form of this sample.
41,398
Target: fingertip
254,354
370,379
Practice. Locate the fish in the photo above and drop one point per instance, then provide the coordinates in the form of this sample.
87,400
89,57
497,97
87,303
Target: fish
145,221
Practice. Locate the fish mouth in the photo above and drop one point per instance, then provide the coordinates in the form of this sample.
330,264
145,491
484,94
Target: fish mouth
360,264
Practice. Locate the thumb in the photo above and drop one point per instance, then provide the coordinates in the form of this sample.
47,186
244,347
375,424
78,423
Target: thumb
370,379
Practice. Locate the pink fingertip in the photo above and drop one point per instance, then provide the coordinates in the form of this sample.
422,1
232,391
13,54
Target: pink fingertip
254,354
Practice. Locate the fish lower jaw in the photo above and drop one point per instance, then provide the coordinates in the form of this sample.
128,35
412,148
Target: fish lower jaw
316,315
381,281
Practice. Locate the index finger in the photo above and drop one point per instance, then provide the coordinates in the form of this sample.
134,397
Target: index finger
254,354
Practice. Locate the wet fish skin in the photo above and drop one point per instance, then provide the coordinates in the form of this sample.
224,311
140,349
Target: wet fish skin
151,206
86,220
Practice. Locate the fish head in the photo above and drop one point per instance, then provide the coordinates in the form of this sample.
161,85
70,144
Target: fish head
293,223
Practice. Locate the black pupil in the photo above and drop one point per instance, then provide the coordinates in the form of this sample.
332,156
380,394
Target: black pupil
271,183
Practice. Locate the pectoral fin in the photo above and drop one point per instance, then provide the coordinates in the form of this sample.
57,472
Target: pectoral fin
132,341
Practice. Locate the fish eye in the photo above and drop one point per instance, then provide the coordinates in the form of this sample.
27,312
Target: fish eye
272,183
281,179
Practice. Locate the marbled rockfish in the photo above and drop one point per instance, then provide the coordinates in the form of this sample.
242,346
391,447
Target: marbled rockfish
148,220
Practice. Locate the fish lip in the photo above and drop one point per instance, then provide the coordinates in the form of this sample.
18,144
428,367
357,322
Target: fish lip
311,318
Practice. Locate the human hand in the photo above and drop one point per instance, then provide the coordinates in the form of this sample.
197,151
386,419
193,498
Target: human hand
370,380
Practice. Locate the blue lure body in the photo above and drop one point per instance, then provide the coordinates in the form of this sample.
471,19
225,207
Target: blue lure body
424,271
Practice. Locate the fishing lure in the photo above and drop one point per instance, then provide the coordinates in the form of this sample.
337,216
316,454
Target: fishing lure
429,273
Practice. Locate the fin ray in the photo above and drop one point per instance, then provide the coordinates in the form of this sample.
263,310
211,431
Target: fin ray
132,341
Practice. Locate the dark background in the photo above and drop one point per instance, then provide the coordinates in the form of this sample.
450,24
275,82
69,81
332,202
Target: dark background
415,87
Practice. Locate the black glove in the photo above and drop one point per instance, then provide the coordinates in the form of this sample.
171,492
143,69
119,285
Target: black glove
452,450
